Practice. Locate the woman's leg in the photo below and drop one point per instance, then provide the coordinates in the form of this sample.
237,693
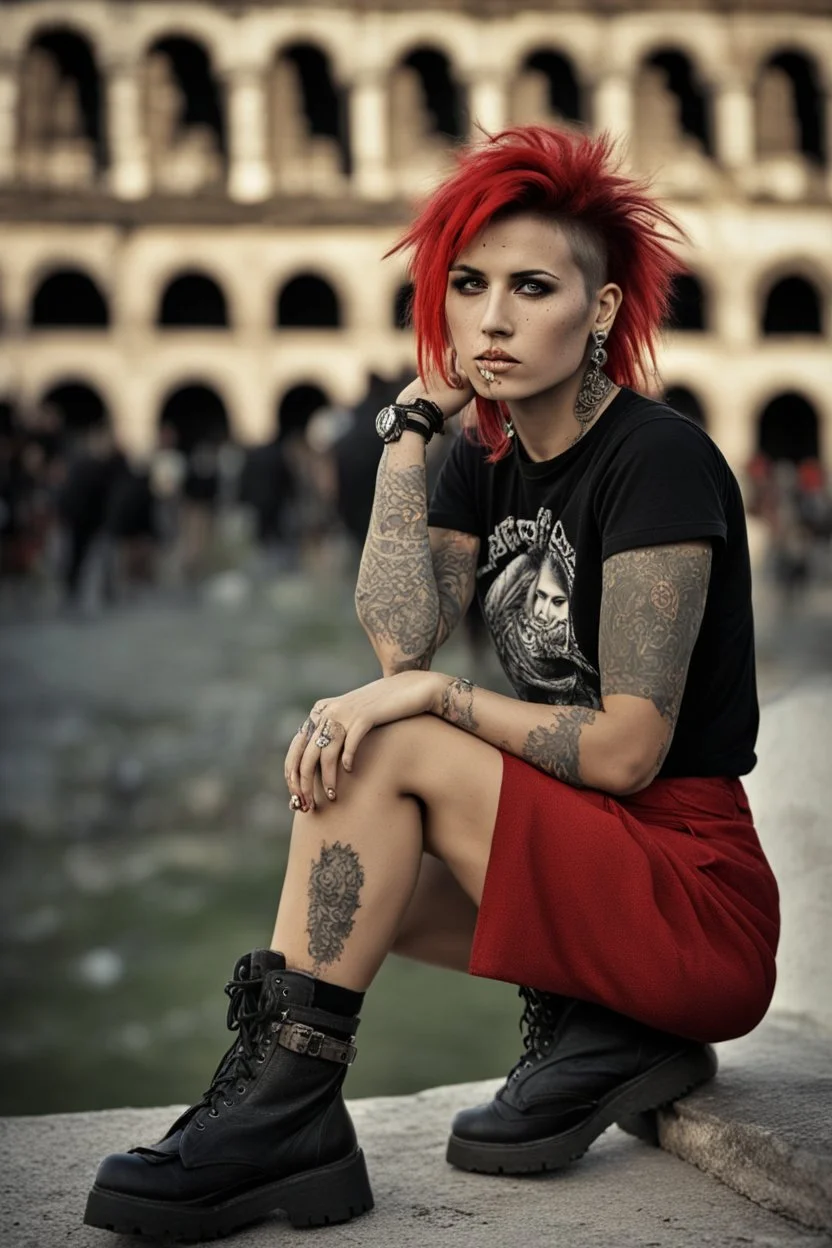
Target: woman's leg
418,785
438,924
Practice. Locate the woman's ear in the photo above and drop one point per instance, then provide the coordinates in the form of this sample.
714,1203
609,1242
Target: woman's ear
610,298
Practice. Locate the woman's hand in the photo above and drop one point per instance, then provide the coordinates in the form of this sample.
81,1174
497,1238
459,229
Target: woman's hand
451,399
335,727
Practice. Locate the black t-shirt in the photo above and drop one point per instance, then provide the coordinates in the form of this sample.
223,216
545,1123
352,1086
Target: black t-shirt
643,475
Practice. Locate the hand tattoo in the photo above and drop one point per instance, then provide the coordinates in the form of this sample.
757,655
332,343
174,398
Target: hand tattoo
335,883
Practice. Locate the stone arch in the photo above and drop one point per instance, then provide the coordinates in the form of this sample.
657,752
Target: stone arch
193,299
297,404
793,305
402,310
546,90
788,428
688,305
61,131
427,110
683,399
197,413
672,108
68,298
308,128
789,108
79,404
184,118
307,301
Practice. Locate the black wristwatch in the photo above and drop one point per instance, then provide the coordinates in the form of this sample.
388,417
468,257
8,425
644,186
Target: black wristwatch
420,416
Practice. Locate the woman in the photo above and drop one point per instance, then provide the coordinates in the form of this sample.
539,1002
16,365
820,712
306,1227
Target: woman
589,840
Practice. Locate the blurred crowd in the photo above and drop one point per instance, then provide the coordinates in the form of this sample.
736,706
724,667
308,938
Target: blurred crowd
81,517
78,515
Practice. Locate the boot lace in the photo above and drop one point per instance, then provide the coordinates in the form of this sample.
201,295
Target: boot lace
538,1023
251,1009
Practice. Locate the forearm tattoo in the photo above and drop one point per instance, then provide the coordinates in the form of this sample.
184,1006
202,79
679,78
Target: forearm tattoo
335,883
652,607
458,704
407,596
396,594
555,747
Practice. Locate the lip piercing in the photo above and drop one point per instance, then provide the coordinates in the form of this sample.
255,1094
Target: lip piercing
486,373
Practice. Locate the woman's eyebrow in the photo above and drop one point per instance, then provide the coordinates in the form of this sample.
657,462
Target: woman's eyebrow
467,268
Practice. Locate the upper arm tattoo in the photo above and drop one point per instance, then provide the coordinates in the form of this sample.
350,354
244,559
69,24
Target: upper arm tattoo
454,566
651,609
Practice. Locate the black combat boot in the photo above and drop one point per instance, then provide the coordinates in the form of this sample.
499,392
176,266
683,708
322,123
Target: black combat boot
272,1131
584,1068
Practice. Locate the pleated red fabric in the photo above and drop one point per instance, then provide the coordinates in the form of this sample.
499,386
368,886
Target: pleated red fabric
660,905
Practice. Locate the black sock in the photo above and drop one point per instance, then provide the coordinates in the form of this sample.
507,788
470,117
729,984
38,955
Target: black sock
337,1000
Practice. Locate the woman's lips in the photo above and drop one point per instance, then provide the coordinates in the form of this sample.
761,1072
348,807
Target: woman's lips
493,368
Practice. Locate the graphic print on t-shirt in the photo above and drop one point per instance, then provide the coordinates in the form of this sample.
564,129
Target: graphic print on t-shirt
529,613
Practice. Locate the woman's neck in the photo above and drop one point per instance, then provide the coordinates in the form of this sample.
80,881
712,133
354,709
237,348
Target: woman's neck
546,424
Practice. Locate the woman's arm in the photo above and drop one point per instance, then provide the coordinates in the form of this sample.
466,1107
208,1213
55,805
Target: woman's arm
414,584
652,605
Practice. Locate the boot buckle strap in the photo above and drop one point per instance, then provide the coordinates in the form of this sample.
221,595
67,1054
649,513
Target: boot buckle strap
299,1038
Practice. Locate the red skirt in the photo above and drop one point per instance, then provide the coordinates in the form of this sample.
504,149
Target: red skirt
660,905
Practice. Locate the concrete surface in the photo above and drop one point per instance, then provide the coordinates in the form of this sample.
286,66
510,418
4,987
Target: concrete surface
622,1194
789,792
764,1126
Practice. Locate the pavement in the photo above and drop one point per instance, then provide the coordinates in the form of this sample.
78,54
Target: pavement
622,1194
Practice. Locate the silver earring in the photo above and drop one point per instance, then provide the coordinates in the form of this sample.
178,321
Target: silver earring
595,386
508,429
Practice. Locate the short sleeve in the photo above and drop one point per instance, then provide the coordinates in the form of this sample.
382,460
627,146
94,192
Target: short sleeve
665,483
454,501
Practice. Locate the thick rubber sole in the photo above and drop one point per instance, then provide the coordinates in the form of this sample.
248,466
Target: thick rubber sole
662,1084
320,1197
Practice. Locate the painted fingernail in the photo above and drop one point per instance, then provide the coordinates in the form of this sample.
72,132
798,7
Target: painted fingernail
331,794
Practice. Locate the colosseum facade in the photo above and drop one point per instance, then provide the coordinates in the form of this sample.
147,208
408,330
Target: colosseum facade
196,196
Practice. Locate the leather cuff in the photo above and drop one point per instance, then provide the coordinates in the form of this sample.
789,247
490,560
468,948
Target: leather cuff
299,1038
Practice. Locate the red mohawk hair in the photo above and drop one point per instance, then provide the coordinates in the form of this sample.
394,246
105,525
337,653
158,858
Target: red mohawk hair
574,179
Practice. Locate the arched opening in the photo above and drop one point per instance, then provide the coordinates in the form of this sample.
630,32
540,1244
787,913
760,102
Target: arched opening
308,114
793,306
68,298
308,302
788,429
297,406
688,312
197,415
683,400
790,109
80,406
61,136
546,90
403,307
184,120
672,108
193,300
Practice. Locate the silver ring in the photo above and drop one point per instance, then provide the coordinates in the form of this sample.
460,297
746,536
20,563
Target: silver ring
295,802
322,741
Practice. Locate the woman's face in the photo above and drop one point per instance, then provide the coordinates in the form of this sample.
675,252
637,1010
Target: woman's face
516,292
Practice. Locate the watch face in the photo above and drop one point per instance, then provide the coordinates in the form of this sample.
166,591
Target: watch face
387,423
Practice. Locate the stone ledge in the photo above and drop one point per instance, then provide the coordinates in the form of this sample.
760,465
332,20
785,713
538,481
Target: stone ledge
764,1127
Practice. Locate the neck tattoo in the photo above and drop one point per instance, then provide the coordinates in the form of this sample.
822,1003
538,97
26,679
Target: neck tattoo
594,389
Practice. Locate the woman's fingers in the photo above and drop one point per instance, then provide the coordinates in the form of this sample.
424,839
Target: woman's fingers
330,755
355,734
